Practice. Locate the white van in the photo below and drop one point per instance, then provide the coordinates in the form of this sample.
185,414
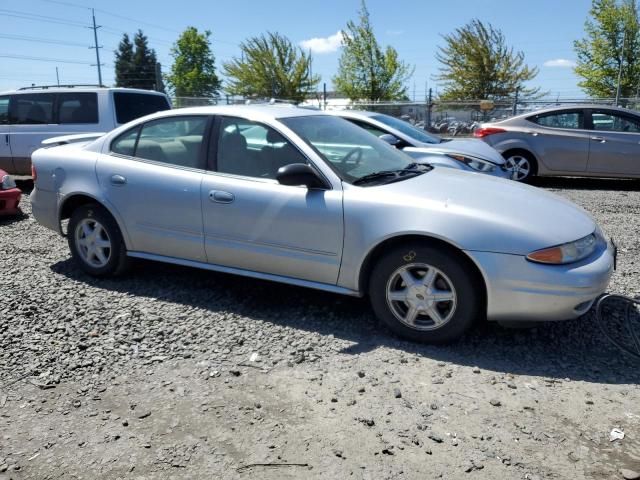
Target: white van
30,115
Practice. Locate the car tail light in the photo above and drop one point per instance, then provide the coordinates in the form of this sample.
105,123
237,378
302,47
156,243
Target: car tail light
34,174
486,131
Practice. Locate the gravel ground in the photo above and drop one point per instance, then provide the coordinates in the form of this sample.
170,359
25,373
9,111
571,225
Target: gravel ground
172,372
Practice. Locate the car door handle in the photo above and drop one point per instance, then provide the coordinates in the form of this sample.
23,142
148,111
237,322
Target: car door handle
219,196
118,180
599,139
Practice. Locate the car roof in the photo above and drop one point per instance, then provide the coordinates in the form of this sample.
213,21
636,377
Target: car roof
79,88
352,113
578,106
255,111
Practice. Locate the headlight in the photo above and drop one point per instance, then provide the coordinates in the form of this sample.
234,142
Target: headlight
568,252
473,162
7,183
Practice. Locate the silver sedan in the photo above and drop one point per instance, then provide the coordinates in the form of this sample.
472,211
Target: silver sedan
303,198
463,154
576,141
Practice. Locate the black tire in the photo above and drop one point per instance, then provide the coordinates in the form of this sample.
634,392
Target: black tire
117,261
509,157
462,311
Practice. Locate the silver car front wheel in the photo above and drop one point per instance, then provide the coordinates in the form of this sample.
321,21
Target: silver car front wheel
421,296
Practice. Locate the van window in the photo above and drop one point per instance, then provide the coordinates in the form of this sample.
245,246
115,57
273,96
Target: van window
32,109
130,106
78,107
4,110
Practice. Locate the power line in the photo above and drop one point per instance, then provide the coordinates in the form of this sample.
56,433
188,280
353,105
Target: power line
39,18
41,40
43,59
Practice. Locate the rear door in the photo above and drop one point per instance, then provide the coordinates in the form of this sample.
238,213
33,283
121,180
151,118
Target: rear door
560,140
6,162
152,176
615,143
254,223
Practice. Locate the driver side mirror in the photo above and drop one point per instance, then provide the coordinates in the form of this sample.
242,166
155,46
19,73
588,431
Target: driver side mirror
296,174
390,139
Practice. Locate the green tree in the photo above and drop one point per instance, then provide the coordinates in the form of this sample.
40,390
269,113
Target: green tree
271,66
124,62
612,40
144,61
365,71
135,63
193,73
478,64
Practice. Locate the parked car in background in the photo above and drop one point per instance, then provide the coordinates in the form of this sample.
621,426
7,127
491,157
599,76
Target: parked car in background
577,141
468,154
304,198
30,115
9,195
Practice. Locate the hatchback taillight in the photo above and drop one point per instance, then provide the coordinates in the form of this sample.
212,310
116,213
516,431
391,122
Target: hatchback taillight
486,131
34,174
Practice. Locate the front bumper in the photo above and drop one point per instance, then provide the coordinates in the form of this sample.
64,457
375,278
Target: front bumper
9,201
520,290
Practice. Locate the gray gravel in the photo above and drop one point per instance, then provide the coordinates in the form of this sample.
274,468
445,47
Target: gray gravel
175,372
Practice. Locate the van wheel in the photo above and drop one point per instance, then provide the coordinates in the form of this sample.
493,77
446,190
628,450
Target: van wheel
95,242
424,294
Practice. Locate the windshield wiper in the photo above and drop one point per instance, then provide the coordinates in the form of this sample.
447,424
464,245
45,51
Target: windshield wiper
412,169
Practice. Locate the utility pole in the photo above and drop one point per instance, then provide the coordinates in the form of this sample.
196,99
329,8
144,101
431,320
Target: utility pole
57,76
427,124
324,96
624,37
514,110
97,47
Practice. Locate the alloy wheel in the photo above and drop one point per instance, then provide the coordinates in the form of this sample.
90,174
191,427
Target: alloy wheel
93,242
519,166
421,296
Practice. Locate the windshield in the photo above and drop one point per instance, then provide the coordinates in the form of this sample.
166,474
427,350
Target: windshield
407,129
350,150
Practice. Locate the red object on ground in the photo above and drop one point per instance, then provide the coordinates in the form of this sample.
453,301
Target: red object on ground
9,199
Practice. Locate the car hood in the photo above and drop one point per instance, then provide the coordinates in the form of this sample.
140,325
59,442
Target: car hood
470,146
479,212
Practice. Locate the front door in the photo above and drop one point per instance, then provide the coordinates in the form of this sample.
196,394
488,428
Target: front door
6,162
560,140
152,176
254,223
615,144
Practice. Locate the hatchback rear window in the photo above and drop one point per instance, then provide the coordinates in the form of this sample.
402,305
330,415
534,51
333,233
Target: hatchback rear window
130,106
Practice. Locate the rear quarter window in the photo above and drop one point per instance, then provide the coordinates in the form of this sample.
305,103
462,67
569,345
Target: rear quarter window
130,106
574,120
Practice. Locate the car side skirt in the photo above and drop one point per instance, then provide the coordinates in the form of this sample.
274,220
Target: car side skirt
246,273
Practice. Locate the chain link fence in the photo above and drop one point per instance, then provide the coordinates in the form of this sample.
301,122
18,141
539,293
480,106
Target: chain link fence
451,118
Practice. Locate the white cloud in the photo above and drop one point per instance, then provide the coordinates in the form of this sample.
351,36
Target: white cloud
323,44
560,63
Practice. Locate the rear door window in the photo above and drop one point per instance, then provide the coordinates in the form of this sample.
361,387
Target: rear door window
572,120
130,106
4,110
604,121
78,107
174,140
32,108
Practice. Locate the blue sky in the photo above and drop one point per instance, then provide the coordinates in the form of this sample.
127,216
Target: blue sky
544,30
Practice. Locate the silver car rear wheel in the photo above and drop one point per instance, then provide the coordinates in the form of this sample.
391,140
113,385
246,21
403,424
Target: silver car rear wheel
93,242
421,296
519,166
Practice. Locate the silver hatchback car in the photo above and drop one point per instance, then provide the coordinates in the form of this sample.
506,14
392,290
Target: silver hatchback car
296,196
577,141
